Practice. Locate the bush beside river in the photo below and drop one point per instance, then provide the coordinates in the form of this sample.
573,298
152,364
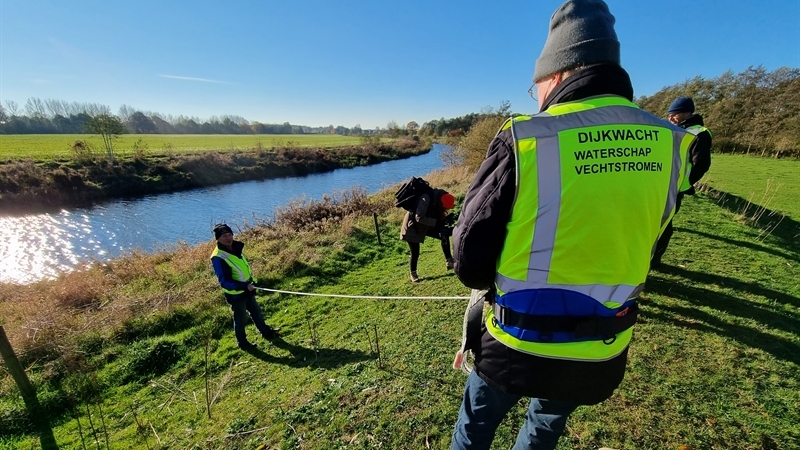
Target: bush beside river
30,186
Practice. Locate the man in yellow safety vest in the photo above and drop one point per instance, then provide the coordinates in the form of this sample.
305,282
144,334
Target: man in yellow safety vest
559,225
238,285
681,113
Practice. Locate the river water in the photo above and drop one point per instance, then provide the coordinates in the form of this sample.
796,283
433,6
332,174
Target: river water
40,246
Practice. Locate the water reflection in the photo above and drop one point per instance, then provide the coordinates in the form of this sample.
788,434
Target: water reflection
43,245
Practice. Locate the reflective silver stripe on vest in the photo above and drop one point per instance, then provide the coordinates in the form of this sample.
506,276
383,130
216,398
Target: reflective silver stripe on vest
225,257
545,128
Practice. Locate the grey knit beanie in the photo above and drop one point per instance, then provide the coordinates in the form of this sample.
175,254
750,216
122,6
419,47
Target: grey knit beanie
581,33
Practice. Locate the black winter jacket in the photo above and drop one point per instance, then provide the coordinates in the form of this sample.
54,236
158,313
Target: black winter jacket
478,241
700,155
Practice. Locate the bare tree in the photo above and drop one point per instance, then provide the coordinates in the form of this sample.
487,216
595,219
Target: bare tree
35,107
56,107
12,107
392,128
125,112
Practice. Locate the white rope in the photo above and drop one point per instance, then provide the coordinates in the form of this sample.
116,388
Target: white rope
382,297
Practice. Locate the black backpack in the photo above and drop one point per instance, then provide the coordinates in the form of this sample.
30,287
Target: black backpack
406,197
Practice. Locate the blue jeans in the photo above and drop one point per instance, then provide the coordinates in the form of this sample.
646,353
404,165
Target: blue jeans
485,406
241,305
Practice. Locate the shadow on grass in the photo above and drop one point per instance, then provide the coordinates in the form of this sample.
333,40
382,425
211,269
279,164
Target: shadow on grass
770,316
782,227
728,282
325,358
743,244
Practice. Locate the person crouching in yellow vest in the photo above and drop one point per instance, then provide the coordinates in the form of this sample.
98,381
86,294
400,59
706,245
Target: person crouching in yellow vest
238,285
559,225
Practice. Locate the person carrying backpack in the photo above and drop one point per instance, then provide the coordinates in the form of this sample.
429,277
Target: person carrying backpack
428,218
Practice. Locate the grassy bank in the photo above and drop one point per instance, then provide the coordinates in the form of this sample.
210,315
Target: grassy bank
29,186
139,352
59,146
767,182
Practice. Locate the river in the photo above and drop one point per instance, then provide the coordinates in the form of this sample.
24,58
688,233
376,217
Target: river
41,246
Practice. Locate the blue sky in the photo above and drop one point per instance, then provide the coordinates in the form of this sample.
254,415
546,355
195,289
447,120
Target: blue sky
320,63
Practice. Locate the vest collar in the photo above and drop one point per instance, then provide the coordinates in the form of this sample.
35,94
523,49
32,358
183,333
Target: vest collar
236,249
694,119
600,79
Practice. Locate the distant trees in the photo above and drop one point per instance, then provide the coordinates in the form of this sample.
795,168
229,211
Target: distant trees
138,123
469,147
755,111
392,129
12,108
109,127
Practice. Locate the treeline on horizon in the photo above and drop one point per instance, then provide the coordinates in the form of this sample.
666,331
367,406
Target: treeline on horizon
755,111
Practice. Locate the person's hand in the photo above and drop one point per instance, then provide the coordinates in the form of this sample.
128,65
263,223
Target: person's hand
250,287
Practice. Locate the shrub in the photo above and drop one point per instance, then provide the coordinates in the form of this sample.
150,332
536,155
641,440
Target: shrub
140,150
471,148
152,358
82,151
313,215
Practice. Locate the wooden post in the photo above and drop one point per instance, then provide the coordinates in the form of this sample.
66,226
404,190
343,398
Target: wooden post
35,412
377,230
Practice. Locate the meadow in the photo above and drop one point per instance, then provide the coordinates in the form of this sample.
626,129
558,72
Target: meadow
58,146
139,352
767,182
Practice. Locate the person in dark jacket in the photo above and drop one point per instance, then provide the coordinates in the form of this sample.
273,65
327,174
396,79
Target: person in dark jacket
238,285
428,219
681,113
517,194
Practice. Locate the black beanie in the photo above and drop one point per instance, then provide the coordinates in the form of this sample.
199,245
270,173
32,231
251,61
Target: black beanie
220,229
581,33
681,104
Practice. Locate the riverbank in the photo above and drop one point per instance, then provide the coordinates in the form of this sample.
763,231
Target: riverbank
143,345
35,186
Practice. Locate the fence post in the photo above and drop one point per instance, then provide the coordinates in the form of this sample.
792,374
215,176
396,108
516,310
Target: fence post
35,411
377,230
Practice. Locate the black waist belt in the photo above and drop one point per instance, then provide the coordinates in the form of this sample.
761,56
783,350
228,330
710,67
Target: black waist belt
580,326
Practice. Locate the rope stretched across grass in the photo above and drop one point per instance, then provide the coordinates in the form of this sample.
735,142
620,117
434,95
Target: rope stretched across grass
380,297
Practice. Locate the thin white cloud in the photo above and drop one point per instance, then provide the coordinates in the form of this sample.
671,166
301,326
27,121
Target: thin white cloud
204,80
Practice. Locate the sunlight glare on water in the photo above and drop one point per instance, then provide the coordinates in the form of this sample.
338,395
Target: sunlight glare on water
43,245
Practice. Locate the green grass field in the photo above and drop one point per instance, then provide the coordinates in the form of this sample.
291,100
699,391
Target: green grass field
714,363
771,183
57,146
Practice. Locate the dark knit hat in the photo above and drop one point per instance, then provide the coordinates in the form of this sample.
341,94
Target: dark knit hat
581,33
681,104
220,229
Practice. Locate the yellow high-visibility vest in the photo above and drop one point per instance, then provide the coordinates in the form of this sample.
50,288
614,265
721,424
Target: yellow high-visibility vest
240,268
695,130
597,182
